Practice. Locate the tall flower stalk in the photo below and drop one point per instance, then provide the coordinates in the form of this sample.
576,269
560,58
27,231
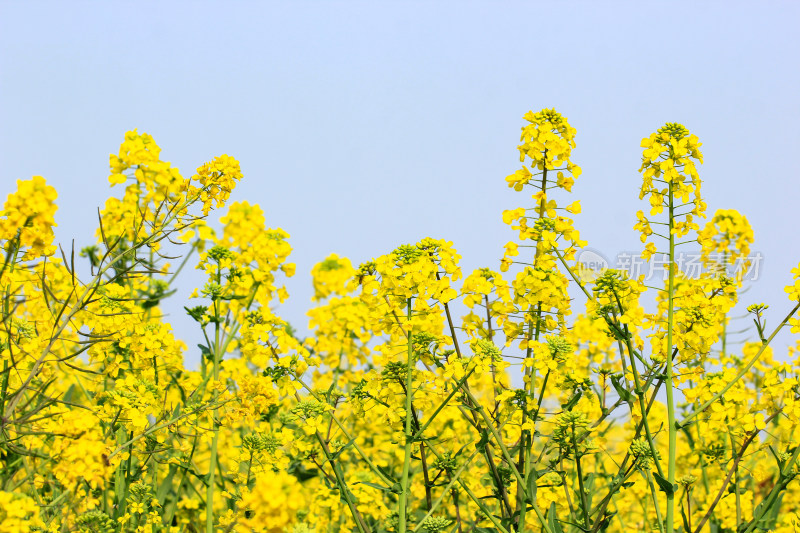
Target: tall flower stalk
669,174
540,289
402,503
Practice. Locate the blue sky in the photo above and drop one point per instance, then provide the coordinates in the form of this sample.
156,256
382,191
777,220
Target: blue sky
361,126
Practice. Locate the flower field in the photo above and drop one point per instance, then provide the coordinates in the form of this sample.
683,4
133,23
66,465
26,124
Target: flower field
561,402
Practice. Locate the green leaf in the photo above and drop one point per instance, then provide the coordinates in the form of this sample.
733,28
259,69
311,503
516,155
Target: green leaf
532,479
624,393
329,391
572,401
481,444
338,452
373,485
69,393
606,521
166,484
298,470
205,351
685,520
665,485
552,521
774,513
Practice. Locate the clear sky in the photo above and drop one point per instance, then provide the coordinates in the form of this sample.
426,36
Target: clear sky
361,126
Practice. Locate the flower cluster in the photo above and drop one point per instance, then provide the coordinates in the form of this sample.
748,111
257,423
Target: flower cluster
728,234
28,217
217,179
539,410
669,171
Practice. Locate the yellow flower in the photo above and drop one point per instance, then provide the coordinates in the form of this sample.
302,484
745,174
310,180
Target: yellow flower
28,214
218,179
794,290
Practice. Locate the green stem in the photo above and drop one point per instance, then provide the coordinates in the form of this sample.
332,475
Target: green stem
215,428
477,501
349,437
736,481
640,393
654,495
344,491
526,441
531,495
404,484
452,482
673,429
584,503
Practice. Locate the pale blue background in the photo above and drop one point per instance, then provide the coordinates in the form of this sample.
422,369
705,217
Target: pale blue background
364,125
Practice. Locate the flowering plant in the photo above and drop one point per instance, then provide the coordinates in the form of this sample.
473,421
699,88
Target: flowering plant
528,413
